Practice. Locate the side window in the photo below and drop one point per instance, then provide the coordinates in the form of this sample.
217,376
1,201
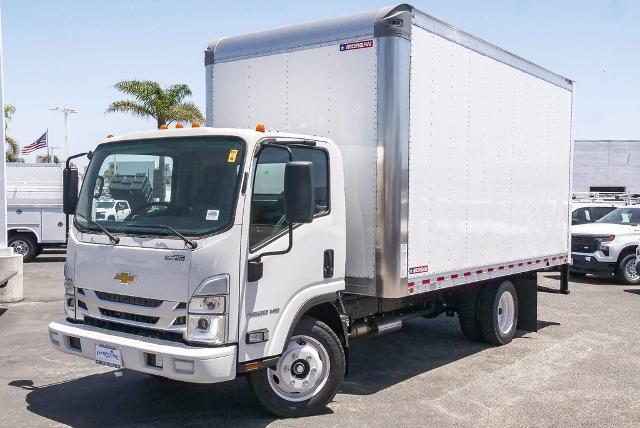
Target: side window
599,212
267,202
581,216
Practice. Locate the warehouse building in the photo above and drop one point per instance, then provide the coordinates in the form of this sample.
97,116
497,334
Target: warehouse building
606,166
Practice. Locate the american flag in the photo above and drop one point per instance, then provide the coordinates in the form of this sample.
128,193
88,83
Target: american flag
40,143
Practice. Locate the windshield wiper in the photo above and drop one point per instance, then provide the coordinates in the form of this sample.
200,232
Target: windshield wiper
113,238
186,240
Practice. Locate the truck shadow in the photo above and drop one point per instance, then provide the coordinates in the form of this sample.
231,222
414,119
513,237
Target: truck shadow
129,398
125,398
380,362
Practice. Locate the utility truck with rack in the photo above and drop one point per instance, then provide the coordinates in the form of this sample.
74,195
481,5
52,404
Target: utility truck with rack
413,170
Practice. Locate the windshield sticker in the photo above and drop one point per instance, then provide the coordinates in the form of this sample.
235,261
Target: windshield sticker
233,154
212,214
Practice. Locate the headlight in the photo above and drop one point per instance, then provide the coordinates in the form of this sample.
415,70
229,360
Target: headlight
69,298
207,317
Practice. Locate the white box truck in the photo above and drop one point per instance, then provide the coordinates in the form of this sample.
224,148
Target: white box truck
34,208
412,170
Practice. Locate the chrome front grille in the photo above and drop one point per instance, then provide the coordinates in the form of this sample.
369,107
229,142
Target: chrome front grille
133,311
129,300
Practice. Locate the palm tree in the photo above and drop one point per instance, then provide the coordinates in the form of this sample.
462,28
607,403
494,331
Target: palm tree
152,101
13,152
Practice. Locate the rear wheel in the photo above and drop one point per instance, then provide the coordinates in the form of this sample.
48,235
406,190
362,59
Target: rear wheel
24,245
626,271
498,313
307,375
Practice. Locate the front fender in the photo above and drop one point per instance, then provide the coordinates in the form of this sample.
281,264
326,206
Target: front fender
297,307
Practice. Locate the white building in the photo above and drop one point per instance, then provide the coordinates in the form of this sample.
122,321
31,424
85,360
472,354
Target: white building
606,166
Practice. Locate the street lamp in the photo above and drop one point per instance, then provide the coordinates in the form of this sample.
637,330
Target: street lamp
66,111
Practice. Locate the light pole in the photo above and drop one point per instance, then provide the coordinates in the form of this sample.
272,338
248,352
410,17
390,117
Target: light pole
66,111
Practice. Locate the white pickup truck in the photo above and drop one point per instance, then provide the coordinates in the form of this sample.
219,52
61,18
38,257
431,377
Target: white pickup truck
608,246
112,210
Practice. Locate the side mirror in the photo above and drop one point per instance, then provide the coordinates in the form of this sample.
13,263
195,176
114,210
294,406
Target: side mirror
69,190
299,192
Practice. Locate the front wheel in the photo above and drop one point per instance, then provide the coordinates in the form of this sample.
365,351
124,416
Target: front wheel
307,375
627,272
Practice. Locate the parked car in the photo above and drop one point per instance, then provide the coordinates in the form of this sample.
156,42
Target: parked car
608,246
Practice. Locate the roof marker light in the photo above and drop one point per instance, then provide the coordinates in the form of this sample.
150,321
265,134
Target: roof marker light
195,124
179,125
260,127
110,136
163,126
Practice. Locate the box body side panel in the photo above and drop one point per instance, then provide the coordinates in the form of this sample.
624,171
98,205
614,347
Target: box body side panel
325,91
489,155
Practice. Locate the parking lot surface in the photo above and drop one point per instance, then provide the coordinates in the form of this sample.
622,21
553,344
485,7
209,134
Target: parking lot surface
581,368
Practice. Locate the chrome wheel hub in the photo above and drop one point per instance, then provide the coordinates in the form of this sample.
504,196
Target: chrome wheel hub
506,312
20,247
302,370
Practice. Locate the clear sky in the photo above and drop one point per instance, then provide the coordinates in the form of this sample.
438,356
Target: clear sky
66,52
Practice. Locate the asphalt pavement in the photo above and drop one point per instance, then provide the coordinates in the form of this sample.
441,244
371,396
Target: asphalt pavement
581,368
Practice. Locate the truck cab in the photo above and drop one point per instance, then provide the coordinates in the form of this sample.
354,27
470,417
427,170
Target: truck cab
198,281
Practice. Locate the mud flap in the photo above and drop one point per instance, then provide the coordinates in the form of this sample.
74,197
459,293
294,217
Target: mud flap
527,288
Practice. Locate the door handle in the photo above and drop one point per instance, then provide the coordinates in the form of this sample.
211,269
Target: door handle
328,264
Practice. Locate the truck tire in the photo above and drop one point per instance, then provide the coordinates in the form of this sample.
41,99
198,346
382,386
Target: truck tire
25,245
467,311
626,271
498,313
307,375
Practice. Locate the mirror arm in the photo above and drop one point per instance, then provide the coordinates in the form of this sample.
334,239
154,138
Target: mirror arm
279,146
77,156
259,257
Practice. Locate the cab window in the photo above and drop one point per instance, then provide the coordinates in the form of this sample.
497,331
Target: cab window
267,202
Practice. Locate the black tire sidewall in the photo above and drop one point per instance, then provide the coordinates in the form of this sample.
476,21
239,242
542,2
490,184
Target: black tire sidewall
283,408
467,315
622,271
488,313
32,253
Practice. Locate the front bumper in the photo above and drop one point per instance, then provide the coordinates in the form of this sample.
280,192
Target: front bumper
179,361
589,263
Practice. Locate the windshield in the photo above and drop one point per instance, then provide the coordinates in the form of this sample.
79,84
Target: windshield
189,184
630,216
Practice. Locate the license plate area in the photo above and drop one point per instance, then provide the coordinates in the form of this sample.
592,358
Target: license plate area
108,355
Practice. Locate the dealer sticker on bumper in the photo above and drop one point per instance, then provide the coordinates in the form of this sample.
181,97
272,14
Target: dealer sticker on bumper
108,356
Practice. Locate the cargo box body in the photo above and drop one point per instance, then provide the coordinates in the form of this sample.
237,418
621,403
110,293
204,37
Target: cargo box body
457,154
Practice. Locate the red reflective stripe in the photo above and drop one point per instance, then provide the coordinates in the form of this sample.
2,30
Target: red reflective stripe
529,262
520,264
454,276
467,274
546,260
500,267
537,261
411,284
440,278
479,271
426,281
490,270
553,258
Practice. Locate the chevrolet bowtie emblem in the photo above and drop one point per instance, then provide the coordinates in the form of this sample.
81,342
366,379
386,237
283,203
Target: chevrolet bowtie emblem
124,277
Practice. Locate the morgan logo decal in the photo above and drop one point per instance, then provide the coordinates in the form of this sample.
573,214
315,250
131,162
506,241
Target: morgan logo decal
356,45
418,269
175,258
125,278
